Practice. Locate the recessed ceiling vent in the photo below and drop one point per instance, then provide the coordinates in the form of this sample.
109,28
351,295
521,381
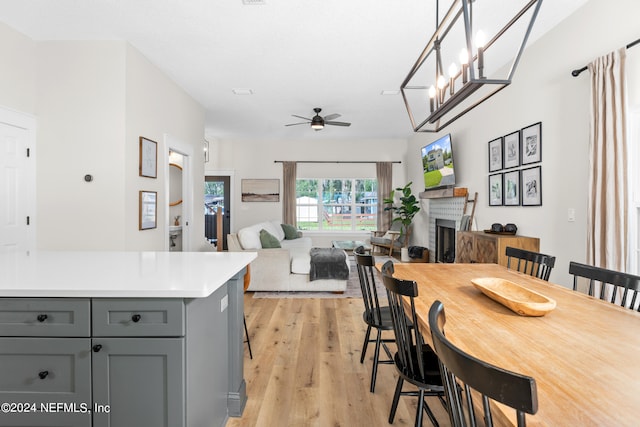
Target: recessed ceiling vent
254,2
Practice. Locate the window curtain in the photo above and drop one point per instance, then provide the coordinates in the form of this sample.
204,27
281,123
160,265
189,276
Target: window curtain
289,171
384,174
607,216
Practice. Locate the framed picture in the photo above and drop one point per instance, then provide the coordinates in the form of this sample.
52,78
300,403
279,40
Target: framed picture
495,155
148,210
532,144
495,189
512,188
531,187
512,150
260,190
148,158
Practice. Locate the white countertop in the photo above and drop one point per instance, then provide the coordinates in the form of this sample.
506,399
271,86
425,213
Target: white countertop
101,274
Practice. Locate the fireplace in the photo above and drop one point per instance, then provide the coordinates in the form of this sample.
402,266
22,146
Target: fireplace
446,211
445,240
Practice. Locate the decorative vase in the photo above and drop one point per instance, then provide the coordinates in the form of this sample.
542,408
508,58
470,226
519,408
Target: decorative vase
404,255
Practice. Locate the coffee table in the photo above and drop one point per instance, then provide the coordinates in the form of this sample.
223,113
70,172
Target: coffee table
350,245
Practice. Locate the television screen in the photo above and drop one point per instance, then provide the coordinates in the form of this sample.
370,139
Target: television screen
437,164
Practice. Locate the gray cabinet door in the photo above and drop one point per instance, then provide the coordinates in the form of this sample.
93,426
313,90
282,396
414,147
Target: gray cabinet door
46,381
140,381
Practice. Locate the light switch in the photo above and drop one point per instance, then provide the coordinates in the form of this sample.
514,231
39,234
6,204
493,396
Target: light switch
571,215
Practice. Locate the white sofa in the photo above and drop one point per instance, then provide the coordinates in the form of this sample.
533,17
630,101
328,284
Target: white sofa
280,269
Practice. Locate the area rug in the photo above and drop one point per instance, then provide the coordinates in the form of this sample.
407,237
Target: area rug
352,291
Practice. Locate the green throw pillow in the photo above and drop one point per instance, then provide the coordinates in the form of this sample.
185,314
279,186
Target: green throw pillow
268,240
290,231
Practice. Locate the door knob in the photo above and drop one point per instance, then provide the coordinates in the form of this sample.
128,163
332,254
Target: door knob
96,348
136,318
42,317
43,374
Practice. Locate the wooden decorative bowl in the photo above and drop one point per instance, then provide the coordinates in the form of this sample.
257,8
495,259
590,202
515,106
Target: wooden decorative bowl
521,300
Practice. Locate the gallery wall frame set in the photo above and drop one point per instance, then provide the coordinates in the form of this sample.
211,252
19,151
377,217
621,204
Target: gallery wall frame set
516,187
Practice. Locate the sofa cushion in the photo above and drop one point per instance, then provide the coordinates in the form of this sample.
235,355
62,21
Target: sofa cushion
299,244
300,263
290,232
268,240
274,228
249,237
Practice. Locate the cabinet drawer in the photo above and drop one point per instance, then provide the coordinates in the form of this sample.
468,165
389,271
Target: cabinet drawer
138,317
51,317
51,375
45,370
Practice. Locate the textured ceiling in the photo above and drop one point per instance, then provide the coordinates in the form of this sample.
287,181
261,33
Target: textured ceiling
293,54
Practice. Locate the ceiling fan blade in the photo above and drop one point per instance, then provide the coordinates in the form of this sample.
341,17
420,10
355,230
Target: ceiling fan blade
294,124
332,116
300,117
337,123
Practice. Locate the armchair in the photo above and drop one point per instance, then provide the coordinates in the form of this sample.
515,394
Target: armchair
390,240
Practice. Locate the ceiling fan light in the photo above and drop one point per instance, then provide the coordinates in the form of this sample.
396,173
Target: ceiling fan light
317,123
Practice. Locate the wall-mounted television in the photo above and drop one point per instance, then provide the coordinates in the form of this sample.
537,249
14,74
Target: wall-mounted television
437,164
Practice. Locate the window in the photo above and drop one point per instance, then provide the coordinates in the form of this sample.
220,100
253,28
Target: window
337,204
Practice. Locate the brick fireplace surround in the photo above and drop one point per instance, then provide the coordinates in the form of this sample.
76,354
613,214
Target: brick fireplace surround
448,208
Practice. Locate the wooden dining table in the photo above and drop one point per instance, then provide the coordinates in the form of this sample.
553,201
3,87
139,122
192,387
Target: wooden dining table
583,354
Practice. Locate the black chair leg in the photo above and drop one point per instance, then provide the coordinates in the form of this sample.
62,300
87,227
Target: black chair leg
376,356
365,344
420,409
396,399
248,341
430,414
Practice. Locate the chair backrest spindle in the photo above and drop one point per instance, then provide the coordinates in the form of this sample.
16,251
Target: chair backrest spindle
535,264
610,282
365,265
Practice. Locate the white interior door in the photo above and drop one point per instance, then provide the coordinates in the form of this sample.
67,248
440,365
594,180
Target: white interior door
17,184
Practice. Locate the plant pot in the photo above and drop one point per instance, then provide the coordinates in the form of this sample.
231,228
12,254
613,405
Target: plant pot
404,255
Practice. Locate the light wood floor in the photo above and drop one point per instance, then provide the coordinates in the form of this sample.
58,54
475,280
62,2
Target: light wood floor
306,368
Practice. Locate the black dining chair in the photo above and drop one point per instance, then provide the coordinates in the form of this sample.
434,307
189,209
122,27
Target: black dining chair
531,263
611,282
463,373
415,361
375,315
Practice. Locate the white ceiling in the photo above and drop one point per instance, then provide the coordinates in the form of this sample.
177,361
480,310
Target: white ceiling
293,54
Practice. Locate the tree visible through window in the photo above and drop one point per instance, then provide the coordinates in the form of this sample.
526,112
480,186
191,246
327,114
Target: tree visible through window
337,204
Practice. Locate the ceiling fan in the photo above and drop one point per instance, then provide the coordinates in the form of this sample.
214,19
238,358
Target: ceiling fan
318,122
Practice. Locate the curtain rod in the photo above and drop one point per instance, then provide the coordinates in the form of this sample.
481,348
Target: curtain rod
576,72
331,161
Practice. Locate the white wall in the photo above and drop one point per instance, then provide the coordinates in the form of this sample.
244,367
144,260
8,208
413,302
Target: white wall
18,70
543,90
92,101
252,159
81,130
156,107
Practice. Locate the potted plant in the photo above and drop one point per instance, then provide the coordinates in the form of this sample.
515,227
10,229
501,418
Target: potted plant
408,207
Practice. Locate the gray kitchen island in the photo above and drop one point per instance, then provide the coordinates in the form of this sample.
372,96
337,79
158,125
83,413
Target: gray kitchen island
121,339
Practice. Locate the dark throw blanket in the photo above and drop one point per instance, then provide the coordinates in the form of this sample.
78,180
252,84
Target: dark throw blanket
328,263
